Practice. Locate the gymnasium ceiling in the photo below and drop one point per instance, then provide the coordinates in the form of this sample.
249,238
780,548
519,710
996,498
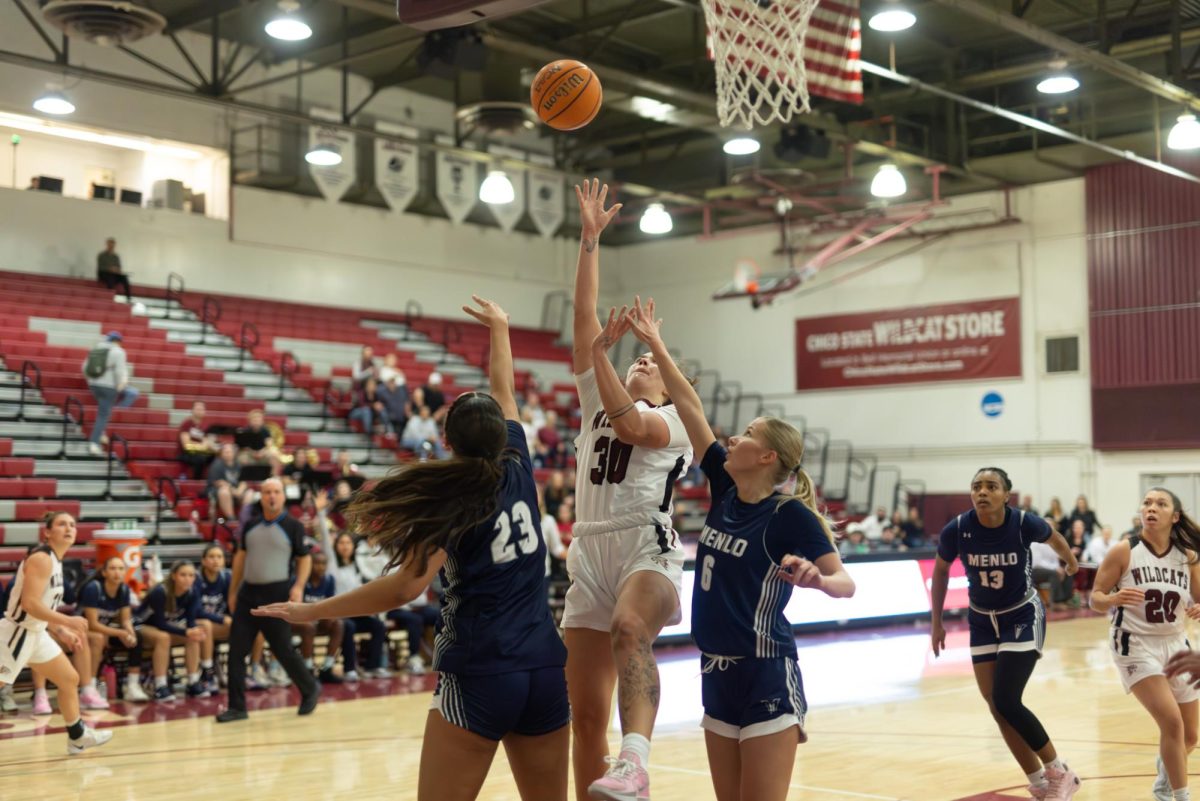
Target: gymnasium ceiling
1142,41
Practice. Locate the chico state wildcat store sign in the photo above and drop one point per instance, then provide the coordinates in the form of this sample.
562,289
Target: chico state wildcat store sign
949,342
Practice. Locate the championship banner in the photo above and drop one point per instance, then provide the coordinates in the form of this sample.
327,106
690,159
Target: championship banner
457,185
509,214
334,180
397,167
949,342
546,201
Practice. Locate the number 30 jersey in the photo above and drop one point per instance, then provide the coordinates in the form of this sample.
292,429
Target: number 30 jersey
1167,581
620,486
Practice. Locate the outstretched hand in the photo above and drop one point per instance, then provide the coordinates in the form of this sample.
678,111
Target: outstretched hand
287,610
592,214
617,326
643,323
489,312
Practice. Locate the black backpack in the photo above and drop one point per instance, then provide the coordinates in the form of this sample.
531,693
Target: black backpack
97,362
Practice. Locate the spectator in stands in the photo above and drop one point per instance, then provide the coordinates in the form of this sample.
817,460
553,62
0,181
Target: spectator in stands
389,370
107,604
371,410
435,399
343,468
913,528
556,493
873,525
319,587
1098,547
1027,505
394,395
855,541
225,486
892,539
531,431
414,618
421,435
108,269
196,446
347,576
106,369
212,590
1134,529
551,451
256,444
172,609
364,368
1056,513
1083,512
533,405
556,551
566,520
1077,539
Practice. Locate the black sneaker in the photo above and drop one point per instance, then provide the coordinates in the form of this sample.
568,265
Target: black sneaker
231,715
198,690
309,702
208,677
327,676
164,694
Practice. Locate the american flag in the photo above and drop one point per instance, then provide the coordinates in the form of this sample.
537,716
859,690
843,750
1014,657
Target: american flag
832,49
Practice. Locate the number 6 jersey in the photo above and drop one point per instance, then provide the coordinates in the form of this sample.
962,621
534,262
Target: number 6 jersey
620,486
1167,581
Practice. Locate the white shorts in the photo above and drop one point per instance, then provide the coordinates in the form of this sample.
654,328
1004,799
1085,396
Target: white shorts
20,647
600,564
1139,657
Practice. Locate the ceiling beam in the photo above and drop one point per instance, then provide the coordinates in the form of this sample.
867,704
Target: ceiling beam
1076,52
203,12
331,64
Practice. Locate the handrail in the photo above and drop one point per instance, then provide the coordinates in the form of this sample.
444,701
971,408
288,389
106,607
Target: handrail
737,406
108,477
567,303
845,488
863,468
447,327
889,468
907,486
67,420
711,412
228,540
721,395
774,410
413,310
210,313
158,503
246,342
173,294
285,371
26,367
820,439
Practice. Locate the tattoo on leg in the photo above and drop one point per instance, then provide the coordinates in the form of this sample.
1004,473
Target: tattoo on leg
639,679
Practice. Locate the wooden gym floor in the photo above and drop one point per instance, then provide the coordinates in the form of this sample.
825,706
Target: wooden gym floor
887,722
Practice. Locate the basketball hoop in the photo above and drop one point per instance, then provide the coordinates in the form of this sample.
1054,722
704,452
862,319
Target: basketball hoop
745,276
758,51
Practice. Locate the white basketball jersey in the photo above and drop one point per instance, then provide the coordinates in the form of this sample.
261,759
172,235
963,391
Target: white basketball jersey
620,486
1166,580
52,594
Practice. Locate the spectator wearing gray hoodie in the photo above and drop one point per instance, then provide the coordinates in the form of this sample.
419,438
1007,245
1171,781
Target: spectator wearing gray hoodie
106,369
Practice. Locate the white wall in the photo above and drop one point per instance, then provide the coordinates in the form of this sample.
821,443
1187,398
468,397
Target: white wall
292,248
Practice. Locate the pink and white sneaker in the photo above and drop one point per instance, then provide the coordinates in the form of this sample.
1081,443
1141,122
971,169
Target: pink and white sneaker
625,780
41,703
1062,784
1038,792
90,698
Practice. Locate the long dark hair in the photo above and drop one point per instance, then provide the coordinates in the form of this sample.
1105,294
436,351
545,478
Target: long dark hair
168,583
1186,533
422,507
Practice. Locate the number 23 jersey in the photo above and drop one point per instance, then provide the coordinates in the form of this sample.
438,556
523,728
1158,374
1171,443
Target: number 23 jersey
1167,581
626,485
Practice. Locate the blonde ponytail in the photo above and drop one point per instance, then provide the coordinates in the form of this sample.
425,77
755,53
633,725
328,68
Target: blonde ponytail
806,493
793,483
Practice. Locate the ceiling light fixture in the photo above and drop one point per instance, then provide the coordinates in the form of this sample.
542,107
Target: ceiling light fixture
741,146
323,156
1185,133
497,189
656,220
54,103
892,18
286,26
888,182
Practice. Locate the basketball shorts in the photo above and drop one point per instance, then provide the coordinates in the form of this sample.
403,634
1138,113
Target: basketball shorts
600,564
20,647
1022,629
1138,656
525,702
745,698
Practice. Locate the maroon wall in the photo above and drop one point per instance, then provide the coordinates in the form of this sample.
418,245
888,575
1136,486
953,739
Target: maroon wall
1144,302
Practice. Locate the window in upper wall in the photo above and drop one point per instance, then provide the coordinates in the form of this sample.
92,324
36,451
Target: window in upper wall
1062,354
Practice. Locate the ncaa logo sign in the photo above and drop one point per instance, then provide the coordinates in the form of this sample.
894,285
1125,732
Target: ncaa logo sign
992,404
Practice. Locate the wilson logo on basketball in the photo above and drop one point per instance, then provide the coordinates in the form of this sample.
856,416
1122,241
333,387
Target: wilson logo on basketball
545,75
567,87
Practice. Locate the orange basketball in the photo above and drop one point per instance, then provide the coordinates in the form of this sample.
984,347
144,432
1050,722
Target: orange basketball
566,94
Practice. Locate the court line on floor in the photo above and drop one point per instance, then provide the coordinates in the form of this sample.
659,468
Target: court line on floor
850,793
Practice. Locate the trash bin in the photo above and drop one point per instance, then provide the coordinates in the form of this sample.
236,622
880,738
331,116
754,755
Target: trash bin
127,544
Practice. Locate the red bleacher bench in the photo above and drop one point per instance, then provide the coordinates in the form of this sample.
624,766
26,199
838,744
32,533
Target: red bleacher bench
16,467
28,487
34,510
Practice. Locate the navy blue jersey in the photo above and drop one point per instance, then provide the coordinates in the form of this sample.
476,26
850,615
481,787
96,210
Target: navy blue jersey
213,595
314,593
999,568
108,607
153,611
496,617
738,600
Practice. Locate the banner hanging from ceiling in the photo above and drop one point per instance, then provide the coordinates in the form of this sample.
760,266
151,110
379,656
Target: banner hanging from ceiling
546,201
457,185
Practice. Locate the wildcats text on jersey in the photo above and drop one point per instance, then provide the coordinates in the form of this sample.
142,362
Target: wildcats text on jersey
1160,575
992,559
720,541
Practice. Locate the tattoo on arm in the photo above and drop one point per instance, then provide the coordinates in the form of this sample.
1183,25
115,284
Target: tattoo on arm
589,245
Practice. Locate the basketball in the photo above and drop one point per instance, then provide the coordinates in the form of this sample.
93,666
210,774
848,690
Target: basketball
566,94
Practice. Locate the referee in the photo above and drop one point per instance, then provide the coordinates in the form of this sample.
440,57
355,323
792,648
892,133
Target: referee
270,539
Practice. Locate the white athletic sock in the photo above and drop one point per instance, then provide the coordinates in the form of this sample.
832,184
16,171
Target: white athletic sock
329,663
193,678
1057,764
638,745
160,681
206,664
91,685
1182,794
1037,778
133,679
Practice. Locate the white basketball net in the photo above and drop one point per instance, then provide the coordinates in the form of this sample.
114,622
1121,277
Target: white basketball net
758,50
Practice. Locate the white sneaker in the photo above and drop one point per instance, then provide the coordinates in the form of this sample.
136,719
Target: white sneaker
381,673
1162,785
279,676
258,679
350,675
90,739
8,704
134,693
415,666
94,449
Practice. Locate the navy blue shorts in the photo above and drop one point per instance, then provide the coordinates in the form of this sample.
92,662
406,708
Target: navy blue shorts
752,697
1022,629
525,702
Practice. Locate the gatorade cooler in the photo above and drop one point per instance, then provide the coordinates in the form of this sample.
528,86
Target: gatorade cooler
126,544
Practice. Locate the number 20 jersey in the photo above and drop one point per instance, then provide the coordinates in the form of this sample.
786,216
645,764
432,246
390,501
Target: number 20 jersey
621,485
1167,581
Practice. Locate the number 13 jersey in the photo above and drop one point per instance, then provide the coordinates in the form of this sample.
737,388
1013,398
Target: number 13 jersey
1167,581
620,486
